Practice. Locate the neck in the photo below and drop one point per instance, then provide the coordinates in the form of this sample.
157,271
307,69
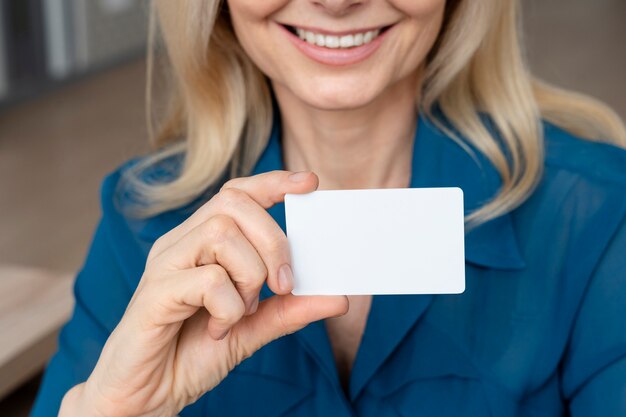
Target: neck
367,147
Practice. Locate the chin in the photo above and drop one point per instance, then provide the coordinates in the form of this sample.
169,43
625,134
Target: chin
338,96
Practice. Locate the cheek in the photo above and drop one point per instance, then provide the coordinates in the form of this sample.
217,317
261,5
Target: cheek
254,10
420,8
425,22
251,20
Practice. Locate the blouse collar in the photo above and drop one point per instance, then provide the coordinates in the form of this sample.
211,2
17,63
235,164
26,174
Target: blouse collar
439,161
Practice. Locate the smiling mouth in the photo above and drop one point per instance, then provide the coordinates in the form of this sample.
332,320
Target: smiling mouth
344,41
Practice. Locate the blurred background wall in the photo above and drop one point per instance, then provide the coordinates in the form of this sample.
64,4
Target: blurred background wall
43,42
72,78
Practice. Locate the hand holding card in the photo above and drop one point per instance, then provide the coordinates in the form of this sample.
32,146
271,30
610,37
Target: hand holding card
382,241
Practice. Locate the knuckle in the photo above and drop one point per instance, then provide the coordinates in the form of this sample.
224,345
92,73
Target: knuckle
231,183
218,281
258,275
260,271
276,244
219,228
230,197
216,278
253,278
248,288
230,313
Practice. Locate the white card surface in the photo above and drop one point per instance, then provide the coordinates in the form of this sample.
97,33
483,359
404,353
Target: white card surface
380,241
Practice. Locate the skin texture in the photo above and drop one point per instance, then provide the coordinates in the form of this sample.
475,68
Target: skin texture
353,126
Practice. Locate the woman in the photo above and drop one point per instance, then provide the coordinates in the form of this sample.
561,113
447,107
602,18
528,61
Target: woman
422,93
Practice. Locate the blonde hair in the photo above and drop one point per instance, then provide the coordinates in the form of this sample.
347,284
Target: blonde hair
221,114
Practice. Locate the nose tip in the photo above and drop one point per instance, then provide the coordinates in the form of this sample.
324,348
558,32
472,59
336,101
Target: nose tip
338,7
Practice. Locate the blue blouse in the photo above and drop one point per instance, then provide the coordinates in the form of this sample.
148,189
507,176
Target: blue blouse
539,331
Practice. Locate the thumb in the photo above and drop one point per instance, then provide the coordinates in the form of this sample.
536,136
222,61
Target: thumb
281,315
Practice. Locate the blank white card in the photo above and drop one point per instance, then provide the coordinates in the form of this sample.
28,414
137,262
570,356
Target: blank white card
382,241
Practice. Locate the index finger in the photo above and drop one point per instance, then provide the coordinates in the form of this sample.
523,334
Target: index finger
265,189
270,188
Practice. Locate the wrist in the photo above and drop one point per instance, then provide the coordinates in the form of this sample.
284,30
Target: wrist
79,402
74,404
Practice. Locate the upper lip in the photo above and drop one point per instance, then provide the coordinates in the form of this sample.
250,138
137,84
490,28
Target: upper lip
335,33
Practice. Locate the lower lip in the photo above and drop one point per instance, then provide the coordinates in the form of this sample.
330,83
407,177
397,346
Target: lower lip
338,56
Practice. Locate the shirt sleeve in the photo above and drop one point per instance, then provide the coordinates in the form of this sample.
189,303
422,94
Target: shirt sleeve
101,295
594,366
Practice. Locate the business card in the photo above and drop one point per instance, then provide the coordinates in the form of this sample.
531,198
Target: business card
377,241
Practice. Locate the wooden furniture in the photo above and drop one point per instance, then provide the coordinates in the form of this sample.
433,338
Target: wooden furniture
34,304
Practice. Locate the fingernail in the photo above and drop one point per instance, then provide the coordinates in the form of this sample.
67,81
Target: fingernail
299,176
285,278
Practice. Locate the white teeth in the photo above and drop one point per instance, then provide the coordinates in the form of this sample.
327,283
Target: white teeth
320,40
331,41
358,39
347,41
